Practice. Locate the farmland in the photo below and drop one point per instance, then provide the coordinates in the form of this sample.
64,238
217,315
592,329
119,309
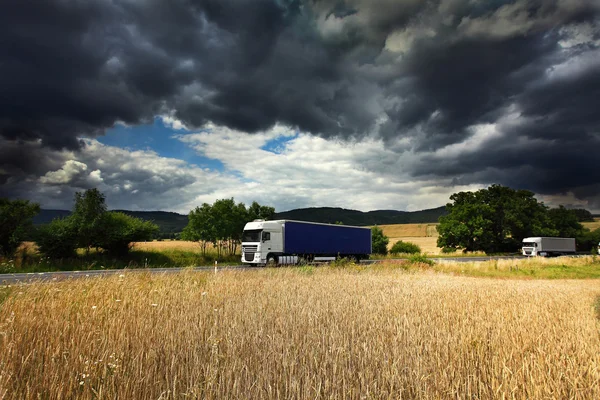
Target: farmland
308,332
423,235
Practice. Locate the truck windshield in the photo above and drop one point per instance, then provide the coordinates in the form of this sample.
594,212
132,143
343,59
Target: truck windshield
529,244
251,235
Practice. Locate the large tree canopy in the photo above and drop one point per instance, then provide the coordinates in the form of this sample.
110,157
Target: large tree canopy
15,223
222,223
495,219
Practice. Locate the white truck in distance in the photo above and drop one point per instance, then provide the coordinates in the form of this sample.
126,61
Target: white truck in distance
548,246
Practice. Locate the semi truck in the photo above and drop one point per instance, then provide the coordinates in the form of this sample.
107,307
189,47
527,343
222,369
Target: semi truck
548,246
291,242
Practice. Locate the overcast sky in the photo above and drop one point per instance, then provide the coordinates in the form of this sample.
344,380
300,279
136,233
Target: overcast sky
360,104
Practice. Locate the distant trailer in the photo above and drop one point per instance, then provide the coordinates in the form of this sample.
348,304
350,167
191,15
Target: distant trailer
548,246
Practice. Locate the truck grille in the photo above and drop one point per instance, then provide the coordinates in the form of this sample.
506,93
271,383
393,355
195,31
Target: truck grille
248,248
249,256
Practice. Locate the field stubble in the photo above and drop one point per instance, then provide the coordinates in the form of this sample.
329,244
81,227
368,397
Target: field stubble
300,333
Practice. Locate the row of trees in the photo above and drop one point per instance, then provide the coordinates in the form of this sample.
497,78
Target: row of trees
222,223
497,219
89,226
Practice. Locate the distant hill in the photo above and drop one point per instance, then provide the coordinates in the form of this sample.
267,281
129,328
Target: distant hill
353,217
170,222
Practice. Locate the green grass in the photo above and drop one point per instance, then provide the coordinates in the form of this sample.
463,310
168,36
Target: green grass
135,259
526,269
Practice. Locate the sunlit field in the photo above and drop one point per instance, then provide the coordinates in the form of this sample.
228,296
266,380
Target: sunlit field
592,225
423,235
411,230
304,333
169,245
428,245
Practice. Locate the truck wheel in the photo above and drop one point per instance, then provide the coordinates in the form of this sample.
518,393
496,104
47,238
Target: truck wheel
271,261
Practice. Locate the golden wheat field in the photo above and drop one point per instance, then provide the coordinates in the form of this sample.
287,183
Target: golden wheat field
300,333
423,235
169,245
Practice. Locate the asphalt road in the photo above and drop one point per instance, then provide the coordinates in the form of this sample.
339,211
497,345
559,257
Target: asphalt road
7,279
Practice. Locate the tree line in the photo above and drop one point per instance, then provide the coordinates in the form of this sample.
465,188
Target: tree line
222,223
497,219
92,226
491,220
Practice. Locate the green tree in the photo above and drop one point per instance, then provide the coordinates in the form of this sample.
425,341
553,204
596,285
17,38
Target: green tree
379,241
116,231
15,223
222,224
583,215
495,219
405,247
200,227
256,211
566,222
58,239
89,208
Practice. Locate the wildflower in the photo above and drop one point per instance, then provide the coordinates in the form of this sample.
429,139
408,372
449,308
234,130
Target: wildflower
118,301
121,276
81,383
154,305
94,307
204,293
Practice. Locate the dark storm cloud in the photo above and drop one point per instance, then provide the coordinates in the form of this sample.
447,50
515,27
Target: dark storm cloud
428,70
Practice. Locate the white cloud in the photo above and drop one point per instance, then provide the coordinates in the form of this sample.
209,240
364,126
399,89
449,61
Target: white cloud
69,171
309,171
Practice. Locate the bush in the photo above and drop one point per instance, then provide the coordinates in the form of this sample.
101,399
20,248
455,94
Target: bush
447,250
15,223
405,247
58,239
118,230
379,241
420,259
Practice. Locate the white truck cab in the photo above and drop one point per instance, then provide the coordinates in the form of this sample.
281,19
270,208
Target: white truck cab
261,238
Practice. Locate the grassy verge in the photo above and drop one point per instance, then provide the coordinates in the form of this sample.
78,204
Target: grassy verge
137,258
587,267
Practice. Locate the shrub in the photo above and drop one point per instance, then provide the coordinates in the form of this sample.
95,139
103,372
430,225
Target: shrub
118,230
379,241
420,259
405,247
58,239
447,250
15,223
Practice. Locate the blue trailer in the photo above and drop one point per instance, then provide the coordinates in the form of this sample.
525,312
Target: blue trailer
288,242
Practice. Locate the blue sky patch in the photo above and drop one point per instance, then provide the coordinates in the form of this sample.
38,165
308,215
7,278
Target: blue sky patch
278,145
157,137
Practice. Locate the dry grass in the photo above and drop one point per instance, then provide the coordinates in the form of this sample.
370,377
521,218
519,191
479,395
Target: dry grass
302,333
168,245
527,268
428,245
410,230
592,225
